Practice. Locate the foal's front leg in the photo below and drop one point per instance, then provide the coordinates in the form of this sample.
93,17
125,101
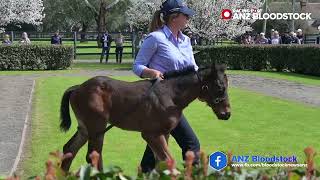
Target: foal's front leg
158,144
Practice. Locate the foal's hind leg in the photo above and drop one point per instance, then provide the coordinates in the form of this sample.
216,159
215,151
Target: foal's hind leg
72,146
95,143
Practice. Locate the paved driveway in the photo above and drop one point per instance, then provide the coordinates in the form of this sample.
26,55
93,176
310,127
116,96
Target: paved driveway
14,106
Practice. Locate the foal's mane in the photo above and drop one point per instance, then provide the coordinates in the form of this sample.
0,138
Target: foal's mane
176,73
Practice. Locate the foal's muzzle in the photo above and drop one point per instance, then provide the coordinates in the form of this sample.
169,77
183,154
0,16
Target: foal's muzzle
224,115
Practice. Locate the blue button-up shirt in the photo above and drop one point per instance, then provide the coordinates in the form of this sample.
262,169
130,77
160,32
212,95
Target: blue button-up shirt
163,52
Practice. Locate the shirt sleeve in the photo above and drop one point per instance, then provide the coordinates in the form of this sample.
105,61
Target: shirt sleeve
144,56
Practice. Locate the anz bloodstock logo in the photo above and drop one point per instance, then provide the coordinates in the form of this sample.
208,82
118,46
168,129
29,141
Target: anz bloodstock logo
218,160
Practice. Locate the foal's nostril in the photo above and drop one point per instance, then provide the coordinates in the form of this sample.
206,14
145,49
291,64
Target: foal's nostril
228,114
225,115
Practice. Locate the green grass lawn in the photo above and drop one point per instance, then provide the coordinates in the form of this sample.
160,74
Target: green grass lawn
127,64
76,67
112,57
260,125
103,66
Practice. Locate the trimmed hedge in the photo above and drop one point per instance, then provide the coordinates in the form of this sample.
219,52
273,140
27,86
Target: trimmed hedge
35,57
303,59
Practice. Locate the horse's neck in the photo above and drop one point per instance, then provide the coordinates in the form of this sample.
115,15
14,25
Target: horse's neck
186,89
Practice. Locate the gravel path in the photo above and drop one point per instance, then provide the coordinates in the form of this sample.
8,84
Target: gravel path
15,92
14,106
307,94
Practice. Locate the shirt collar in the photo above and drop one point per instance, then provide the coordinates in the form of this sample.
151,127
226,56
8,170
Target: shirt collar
169,34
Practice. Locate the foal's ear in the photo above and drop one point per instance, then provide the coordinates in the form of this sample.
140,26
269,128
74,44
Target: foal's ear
223,67
213,66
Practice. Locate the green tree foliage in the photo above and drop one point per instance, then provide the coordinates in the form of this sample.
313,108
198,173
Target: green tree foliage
84,15
66,15
116,17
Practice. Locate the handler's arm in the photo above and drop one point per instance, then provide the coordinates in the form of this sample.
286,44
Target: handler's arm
147,50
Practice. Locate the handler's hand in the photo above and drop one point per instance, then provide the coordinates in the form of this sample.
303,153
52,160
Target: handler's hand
156,74
152,73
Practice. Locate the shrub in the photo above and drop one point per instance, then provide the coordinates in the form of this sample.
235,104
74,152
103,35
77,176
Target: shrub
35,57
165,170
303,59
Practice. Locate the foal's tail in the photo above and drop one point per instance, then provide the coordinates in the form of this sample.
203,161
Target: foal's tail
64,109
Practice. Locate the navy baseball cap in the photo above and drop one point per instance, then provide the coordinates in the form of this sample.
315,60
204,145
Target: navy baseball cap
173,6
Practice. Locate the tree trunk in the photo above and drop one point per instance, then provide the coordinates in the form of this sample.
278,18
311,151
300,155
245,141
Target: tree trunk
102,17
83,32
101,21
264,25
293,10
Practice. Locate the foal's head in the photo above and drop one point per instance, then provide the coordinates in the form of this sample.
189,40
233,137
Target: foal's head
214,90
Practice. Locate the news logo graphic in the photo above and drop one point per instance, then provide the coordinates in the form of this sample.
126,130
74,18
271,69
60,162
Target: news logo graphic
218,160
226,14
258,14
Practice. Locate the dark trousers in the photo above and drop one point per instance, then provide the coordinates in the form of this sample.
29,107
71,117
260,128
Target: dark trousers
105,51
119,51
186,139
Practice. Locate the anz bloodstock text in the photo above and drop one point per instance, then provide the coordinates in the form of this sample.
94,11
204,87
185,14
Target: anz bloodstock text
271,159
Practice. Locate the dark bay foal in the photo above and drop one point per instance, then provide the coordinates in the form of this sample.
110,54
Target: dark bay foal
150,107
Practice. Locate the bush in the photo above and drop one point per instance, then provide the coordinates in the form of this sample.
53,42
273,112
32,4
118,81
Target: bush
35,57
303,59
166,171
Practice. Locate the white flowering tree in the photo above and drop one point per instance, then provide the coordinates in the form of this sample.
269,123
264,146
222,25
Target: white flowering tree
141,11
207,22
21,11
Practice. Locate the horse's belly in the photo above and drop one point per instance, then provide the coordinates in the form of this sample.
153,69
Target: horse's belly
146,119
125,122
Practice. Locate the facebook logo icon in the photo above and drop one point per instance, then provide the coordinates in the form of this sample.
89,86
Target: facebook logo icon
218,160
